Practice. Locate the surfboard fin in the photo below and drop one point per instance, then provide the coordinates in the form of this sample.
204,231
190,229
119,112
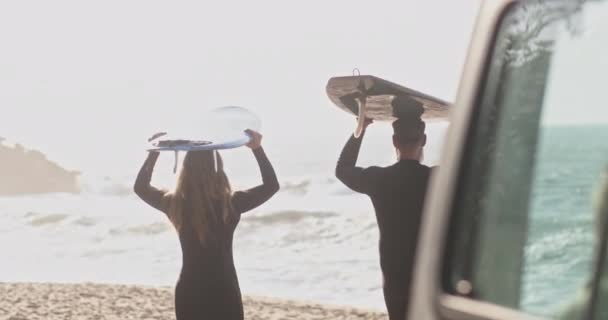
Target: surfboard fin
156,136
361,101
175,161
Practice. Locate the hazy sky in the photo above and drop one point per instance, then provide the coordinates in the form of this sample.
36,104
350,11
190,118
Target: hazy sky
88,77
576,89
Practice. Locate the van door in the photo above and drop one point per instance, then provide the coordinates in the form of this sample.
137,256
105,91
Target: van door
509,228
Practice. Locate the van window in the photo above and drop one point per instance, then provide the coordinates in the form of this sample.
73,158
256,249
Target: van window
523,229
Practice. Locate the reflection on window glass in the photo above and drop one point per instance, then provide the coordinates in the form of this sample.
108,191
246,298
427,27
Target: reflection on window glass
539,148
599,288
590,302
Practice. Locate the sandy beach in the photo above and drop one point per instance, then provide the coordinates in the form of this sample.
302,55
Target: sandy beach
49,301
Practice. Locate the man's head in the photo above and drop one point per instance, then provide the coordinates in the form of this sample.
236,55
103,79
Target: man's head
408,130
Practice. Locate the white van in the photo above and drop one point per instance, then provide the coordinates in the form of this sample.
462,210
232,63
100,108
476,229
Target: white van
510,230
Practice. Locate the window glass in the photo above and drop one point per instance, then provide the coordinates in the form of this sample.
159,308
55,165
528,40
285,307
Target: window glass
536,151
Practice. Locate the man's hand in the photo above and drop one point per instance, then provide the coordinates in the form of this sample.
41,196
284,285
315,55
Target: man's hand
366,123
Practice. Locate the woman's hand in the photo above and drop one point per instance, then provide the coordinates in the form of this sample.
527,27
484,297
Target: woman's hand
256,139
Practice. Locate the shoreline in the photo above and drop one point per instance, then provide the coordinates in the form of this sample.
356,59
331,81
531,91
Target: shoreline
54,301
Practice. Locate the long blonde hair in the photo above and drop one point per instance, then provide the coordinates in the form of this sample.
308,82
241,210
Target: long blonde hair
202,196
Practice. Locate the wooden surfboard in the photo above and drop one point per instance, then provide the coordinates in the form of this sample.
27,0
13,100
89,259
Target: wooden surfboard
366,96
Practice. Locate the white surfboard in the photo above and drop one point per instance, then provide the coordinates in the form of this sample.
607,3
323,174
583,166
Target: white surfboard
219,128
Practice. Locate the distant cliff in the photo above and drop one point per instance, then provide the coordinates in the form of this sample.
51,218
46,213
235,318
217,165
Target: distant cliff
25,171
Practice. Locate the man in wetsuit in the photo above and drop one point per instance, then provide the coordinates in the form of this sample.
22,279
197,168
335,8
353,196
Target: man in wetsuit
397,193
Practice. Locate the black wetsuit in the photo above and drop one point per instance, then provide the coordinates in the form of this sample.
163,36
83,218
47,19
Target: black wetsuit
208,286
397,193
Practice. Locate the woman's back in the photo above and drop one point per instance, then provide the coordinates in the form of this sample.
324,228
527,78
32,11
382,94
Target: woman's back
208,286
216,253
208,282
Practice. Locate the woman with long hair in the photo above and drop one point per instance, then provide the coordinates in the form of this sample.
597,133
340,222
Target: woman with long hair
205,213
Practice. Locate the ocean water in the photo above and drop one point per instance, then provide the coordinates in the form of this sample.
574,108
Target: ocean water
561,237
315,240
